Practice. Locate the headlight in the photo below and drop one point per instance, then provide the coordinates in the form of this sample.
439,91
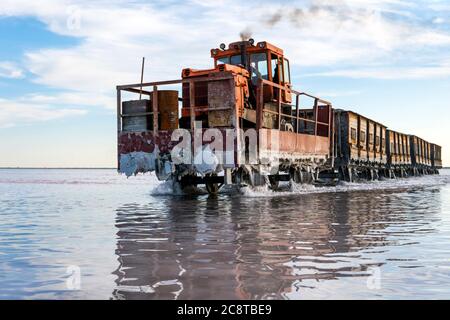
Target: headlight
251,41
222,46
214,52
262,45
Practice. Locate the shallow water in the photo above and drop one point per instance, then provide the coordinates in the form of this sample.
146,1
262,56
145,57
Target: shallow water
92,234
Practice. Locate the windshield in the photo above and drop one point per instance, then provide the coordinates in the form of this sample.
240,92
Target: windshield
258,66
234,60
223,60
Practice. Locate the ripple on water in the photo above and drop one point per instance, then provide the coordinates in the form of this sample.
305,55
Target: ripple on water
385,239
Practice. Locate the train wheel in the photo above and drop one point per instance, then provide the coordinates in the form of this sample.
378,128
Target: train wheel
212,187
183,185
297,176
274,183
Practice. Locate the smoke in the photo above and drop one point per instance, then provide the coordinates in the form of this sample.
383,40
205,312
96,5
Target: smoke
245,34
317,9
275,18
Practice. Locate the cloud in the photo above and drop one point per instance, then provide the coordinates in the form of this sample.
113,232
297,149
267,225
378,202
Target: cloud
10,70
322,33
70,99
14,113
393,73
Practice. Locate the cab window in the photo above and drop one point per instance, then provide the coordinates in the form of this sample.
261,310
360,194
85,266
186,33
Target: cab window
223,60
258,66
287,71
277,74
236,59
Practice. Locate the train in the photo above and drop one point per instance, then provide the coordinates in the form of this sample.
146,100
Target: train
242,123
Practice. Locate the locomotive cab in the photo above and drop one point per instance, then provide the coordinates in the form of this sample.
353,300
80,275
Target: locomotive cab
262,61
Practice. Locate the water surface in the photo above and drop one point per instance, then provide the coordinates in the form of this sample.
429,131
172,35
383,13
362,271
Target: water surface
133,239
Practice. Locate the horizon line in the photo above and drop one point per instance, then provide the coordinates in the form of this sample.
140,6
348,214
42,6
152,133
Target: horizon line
77,168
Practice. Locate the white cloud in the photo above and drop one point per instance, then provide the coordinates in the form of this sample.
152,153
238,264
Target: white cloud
13,113
425,72
69,99
438,20
116,34
10,70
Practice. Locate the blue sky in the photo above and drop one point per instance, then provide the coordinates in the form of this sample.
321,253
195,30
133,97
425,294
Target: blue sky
60,62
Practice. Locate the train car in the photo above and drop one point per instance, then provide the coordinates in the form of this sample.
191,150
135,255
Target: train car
436,157
399,154
241,123
421,156
360,146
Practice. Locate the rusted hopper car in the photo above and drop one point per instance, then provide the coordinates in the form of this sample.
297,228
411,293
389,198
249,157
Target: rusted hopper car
436,157
422,156
360,146
399,154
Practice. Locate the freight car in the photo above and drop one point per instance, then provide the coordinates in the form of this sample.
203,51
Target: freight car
399,154
360,146
425,156
241,123
436,157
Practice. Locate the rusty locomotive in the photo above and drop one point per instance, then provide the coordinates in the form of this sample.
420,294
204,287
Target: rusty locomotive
242,123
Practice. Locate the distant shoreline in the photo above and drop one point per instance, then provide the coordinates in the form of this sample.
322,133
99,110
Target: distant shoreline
58,168
87,168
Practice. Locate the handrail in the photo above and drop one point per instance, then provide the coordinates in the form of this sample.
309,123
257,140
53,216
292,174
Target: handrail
276,85
169,82
136,88
297,117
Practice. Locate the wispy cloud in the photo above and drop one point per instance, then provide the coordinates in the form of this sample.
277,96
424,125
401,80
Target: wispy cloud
10,70
347,36
425,72
13,113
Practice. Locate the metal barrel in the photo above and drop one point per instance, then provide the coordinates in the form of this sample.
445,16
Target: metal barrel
168,109
138,114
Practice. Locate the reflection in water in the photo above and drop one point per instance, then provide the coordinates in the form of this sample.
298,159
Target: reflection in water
235,247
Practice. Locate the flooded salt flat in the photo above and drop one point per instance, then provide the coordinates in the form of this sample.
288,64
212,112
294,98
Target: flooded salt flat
92,234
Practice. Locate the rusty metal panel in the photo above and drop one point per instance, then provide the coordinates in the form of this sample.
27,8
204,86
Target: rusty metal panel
371,139
303,144
135,117
436,157
322,145
288,141
221,96
354,138
168,109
